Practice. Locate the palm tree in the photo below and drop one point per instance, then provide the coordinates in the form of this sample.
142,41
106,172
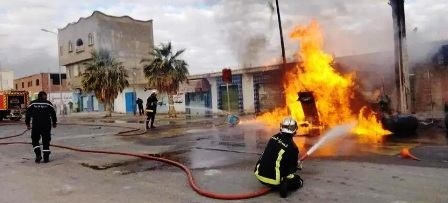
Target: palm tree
106,77
164,71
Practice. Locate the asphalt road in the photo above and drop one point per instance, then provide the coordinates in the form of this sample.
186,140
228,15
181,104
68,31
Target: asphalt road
222,160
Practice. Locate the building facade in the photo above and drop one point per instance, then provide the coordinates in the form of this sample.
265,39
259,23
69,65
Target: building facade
252,90
259,89
58,93
429,84
127,39
6,80
48,82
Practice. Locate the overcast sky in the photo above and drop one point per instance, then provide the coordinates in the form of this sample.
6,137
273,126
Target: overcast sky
217,33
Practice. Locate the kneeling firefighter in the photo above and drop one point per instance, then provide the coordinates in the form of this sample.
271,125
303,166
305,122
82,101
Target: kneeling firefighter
278,164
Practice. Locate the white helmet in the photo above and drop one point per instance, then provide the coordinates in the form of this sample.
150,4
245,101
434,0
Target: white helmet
153,91
288,125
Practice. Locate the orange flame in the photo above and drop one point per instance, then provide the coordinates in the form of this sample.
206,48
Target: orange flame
332,90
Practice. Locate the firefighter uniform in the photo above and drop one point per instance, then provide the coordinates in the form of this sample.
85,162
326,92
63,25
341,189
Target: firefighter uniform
43,116
278,164
151,107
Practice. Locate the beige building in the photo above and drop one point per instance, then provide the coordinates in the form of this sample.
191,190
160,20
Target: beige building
127,39
6,79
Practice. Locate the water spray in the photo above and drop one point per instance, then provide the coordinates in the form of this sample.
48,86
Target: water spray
334,132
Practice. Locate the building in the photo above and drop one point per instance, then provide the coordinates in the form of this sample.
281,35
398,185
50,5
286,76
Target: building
6,80
253,90
48,82
429,84
127,39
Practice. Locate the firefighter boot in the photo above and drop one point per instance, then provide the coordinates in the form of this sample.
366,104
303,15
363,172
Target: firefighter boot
38,154
283,187
46,156
147,127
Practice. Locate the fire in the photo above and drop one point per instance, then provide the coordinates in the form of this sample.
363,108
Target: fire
368,124
332,90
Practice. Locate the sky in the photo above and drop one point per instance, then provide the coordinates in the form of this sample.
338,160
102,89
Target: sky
218,33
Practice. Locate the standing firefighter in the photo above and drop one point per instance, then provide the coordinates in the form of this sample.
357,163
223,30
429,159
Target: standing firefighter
151,107
278,164
43,115
140,106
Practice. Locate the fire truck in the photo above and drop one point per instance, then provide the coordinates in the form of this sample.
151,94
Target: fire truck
13,104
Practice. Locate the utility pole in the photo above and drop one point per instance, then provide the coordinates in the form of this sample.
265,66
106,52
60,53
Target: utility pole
401,56
281,33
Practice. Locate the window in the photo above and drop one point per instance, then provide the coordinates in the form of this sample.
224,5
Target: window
37,82
70,46
30,83
17,87
60,51
79,45
23,85
79,42
90,39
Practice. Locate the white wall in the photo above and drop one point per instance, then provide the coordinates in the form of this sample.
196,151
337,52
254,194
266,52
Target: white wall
120,102
55,98
248,93
6,80
214,91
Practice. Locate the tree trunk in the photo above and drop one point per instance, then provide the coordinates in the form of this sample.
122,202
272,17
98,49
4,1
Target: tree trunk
108,106
171,110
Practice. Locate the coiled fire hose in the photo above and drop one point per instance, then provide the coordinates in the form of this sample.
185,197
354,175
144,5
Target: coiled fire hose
191,181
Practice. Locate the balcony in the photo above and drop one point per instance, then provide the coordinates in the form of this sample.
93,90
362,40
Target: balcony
79,49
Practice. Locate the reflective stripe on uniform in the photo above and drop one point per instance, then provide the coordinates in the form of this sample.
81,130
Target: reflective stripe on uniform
36,147
46,150
290,176
42,104
275,181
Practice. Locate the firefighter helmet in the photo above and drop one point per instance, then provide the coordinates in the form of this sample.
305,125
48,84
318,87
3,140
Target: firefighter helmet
288,125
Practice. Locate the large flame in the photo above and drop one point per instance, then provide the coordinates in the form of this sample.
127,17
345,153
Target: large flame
332,90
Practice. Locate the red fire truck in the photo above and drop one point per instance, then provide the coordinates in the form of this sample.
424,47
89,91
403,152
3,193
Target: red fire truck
13,104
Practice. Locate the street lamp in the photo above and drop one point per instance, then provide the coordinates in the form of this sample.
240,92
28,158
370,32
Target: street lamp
60,78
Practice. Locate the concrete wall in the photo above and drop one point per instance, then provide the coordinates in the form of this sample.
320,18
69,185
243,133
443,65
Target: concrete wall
214,90
129,40
430,85
248,93
6,80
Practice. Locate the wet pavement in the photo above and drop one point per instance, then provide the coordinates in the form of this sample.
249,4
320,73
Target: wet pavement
214,146
222,158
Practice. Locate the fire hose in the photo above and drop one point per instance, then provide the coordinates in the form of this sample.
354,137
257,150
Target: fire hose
331,134
191,181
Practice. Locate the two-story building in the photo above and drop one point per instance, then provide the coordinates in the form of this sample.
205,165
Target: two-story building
54,84
127,39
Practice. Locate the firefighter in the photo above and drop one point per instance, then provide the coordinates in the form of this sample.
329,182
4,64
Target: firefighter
140,106
43,116
151,107
279,162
